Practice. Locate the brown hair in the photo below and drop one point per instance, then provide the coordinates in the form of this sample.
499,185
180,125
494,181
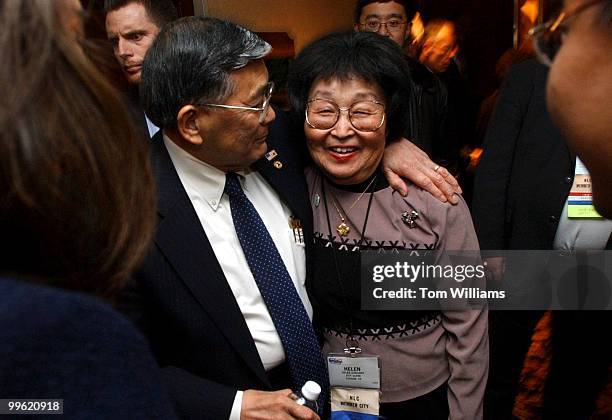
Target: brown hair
77,205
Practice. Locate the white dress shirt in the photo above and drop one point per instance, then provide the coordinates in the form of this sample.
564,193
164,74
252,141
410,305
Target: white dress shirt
153,129
204,185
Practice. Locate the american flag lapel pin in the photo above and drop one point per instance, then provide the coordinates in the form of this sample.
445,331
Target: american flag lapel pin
271,155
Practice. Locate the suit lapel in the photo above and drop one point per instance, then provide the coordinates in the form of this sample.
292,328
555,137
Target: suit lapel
181,238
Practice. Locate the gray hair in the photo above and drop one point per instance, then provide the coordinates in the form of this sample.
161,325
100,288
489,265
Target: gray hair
191,61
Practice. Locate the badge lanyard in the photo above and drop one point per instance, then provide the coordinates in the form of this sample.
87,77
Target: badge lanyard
351,344
354,378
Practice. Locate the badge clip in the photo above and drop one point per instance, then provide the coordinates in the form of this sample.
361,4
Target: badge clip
352,348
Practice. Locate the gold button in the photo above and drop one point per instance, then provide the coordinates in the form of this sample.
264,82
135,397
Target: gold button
278,164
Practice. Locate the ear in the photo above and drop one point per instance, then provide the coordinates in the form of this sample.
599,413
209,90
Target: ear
188,123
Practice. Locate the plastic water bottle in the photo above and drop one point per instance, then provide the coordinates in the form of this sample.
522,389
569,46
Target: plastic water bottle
309,395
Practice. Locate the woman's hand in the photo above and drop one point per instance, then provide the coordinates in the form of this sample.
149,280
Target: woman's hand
402,159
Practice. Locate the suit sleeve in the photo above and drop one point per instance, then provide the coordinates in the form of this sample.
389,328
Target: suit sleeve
194,397
490,203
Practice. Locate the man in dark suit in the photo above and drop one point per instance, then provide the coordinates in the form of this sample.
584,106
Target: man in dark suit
199,296
520,203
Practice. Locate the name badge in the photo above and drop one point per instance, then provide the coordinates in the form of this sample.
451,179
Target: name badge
580,200
354,371
354,404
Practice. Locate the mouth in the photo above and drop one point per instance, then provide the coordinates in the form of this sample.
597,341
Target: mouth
344,153
262,139
134,68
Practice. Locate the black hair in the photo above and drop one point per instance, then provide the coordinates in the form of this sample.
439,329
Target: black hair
364,55
190,62
160,12
409,7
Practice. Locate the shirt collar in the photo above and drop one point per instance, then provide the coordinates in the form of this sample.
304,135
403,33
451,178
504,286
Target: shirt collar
201,180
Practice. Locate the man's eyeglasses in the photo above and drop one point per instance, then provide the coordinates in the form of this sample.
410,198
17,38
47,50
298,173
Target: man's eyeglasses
548,37
324,114
392,25
263,109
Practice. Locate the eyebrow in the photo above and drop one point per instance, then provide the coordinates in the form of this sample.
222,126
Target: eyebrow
259,92
389,16
326,94
128,33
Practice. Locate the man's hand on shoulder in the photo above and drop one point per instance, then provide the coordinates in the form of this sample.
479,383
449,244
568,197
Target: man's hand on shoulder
260,405
403,159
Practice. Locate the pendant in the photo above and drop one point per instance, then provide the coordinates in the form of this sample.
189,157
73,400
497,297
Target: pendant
343,229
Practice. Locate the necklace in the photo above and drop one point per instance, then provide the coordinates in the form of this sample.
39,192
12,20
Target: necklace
342,228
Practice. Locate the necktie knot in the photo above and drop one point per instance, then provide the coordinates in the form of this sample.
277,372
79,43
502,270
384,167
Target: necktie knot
232,185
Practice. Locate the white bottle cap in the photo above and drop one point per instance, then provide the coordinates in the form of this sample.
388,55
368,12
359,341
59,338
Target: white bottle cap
311,390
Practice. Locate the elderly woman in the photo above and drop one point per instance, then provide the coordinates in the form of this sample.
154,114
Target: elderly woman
351,92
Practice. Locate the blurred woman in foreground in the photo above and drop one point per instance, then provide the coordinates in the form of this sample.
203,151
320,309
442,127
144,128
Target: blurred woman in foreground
76,212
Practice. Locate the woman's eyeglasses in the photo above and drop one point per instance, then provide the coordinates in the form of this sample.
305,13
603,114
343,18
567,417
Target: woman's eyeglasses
324,114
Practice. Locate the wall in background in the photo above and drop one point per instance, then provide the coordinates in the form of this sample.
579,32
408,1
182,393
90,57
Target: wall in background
303,20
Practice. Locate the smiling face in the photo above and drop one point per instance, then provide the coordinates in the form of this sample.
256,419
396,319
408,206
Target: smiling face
131,32
346,155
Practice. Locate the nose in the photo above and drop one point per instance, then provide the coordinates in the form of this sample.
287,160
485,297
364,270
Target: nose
123,49
381,31
270,116
343,127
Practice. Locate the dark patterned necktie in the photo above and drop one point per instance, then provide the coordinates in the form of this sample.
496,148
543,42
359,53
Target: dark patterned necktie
278,291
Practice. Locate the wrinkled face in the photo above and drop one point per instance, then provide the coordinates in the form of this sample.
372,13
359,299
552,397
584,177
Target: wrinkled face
131,32
385,12
233,139
346,155
579,96
439,50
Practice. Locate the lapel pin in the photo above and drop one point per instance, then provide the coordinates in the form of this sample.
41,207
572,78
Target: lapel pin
271,155
278,164
409,218
317,200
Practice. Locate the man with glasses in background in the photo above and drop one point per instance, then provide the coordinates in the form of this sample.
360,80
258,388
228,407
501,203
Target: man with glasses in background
393,19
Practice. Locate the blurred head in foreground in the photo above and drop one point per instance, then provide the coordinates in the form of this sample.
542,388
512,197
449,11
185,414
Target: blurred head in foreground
76,191
579,92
